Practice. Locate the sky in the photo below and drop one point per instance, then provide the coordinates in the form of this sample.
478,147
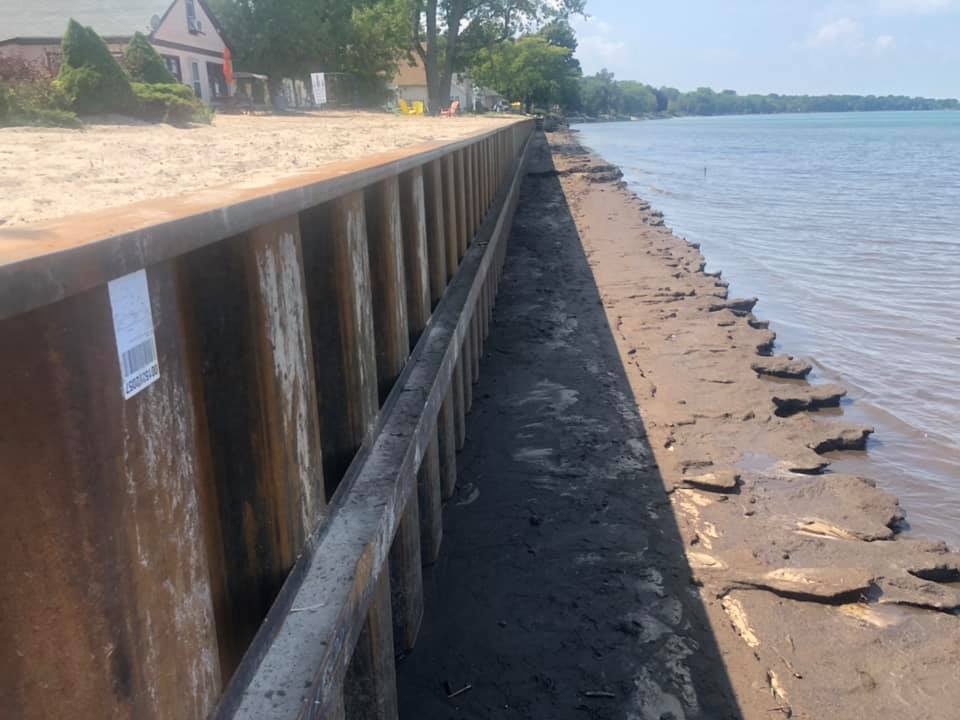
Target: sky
879,47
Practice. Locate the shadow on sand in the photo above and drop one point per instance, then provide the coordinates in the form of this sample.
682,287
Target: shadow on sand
562,589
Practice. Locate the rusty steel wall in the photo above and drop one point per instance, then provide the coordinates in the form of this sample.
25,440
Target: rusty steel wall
152,548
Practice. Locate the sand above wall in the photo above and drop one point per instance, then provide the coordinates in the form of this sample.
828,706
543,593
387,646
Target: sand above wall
47,173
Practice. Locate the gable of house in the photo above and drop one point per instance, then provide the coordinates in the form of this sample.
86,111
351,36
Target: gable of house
188,24
47,19
411,75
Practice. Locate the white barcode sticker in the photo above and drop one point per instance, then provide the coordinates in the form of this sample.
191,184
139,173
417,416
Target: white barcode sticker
133,327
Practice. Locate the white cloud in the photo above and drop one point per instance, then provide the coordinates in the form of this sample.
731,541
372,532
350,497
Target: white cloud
848,36
884,42
843,32
595,46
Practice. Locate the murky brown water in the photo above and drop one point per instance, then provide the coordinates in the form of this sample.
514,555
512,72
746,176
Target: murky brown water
847,227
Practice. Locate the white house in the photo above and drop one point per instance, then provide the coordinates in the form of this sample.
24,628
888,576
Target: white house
184,32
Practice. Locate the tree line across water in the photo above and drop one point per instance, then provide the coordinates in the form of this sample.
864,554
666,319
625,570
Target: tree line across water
601,95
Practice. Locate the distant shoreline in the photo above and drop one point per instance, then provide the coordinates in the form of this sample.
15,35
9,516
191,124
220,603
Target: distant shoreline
588,120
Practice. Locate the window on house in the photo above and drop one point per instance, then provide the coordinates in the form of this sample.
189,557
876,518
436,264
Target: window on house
195,74
193,25
173,65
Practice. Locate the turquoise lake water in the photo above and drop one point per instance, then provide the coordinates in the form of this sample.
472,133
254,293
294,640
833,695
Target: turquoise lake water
847,227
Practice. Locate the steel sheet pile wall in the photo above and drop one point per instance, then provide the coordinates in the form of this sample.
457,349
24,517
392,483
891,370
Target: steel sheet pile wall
244,536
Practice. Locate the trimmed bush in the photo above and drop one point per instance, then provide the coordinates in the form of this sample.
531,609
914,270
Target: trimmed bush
144,64
34,102
170,103
90,78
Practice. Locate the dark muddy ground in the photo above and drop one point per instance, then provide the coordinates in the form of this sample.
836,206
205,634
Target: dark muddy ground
562,589
646,526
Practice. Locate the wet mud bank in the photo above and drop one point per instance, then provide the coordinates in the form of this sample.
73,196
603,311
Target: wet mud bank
647,525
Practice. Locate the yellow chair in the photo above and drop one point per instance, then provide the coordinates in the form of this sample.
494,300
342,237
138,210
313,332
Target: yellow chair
405,108
419,108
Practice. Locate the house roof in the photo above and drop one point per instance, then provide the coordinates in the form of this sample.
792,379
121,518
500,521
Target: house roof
411,75
48,18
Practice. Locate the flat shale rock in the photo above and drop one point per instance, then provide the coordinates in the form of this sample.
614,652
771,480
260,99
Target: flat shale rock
842,438
721,480
793,400
738,306
854,661
806,463
757,324
906,589
819,583
836,506
765,340
782,366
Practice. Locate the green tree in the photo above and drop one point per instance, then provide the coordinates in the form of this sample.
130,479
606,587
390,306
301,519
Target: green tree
144,64
560,33
529,69
377,36
600,94
637,98
287,38
443,30
90,77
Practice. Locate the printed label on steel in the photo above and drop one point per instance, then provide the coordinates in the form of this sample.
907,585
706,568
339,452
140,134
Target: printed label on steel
133,327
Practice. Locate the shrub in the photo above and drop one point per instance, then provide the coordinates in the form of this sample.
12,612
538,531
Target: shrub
34,101
169,102
90,78
23,108
144,64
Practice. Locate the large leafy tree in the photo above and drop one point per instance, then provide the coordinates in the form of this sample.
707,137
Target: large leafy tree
529,69
447,32
284,38
637,98
600,93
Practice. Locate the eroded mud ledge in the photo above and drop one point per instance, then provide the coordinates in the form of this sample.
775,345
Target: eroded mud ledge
637,531
844,616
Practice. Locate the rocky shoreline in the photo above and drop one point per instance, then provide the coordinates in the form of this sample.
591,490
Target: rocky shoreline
843,615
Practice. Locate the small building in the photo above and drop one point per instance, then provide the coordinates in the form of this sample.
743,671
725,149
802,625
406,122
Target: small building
184,32
410,84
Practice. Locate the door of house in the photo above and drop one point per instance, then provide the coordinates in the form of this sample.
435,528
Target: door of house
217,80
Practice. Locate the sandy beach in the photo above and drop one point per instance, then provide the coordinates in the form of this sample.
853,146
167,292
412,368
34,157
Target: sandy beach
670,542
48,173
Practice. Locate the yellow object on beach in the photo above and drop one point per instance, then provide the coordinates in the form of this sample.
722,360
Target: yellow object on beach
419,108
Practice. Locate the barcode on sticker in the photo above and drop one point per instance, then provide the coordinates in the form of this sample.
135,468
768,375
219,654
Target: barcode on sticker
133,327
139,357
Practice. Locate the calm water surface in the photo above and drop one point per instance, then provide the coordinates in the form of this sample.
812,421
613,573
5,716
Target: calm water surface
847,227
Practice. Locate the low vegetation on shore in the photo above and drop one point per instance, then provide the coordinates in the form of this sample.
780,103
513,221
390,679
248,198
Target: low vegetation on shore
92,82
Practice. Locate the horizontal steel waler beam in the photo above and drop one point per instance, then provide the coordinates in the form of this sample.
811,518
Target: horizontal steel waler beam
50,261
296,664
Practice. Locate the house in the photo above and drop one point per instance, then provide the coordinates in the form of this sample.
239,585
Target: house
184,32
410,84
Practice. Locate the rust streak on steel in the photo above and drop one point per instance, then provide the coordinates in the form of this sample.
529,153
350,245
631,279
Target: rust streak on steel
248,319
299,660
337,263
105,607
